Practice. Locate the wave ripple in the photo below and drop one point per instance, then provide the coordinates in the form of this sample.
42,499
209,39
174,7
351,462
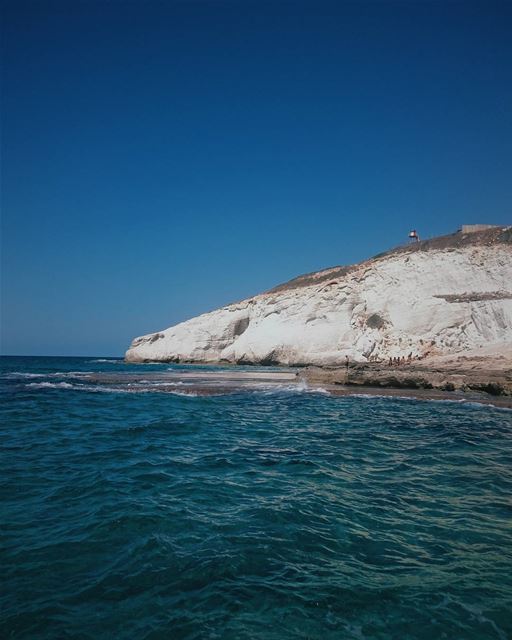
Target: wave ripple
253,515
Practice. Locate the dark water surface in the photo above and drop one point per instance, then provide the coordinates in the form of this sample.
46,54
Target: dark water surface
133,508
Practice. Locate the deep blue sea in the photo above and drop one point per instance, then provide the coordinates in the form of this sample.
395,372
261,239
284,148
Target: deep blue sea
134,507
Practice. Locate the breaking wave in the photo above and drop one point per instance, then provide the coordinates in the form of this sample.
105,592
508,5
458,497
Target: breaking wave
156,388
180,388
287,389
191,389
56,374
22,374
50,385
468,402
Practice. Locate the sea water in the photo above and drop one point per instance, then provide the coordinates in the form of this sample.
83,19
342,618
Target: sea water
135,506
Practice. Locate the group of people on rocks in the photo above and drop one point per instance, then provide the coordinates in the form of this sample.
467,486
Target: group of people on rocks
398,361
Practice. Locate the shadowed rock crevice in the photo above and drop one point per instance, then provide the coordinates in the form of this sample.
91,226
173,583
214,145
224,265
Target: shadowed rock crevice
475,297
240,327
375,321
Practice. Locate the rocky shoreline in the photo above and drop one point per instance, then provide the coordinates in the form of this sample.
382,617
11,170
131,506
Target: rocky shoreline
490,378
471,397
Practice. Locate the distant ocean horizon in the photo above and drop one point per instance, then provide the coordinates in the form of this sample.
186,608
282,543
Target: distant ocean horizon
166,501
90,357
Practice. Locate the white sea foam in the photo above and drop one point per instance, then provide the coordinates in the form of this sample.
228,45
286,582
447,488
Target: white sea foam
301,387
50,385
106,389
178,389
160,384
183,394
371,396
475,403
21,374
56,374
460,401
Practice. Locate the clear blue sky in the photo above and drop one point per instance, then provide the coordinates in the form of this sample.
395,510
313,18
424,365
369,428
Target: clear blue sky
160,159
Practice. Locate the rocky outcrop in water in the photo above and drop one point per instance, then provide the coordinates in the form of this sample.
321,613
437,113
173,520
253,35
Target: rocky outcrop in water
452,294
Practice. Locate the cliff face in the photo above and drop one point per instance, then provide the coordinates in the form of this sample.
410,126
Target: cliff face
446,295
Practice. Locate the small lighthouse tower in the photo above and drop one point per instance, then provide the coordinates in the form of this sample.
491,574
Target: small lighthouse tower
413,236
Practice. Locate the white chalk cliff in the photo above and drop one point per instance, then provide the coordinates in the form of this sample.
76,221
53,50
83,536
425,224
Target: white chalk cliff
447,295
